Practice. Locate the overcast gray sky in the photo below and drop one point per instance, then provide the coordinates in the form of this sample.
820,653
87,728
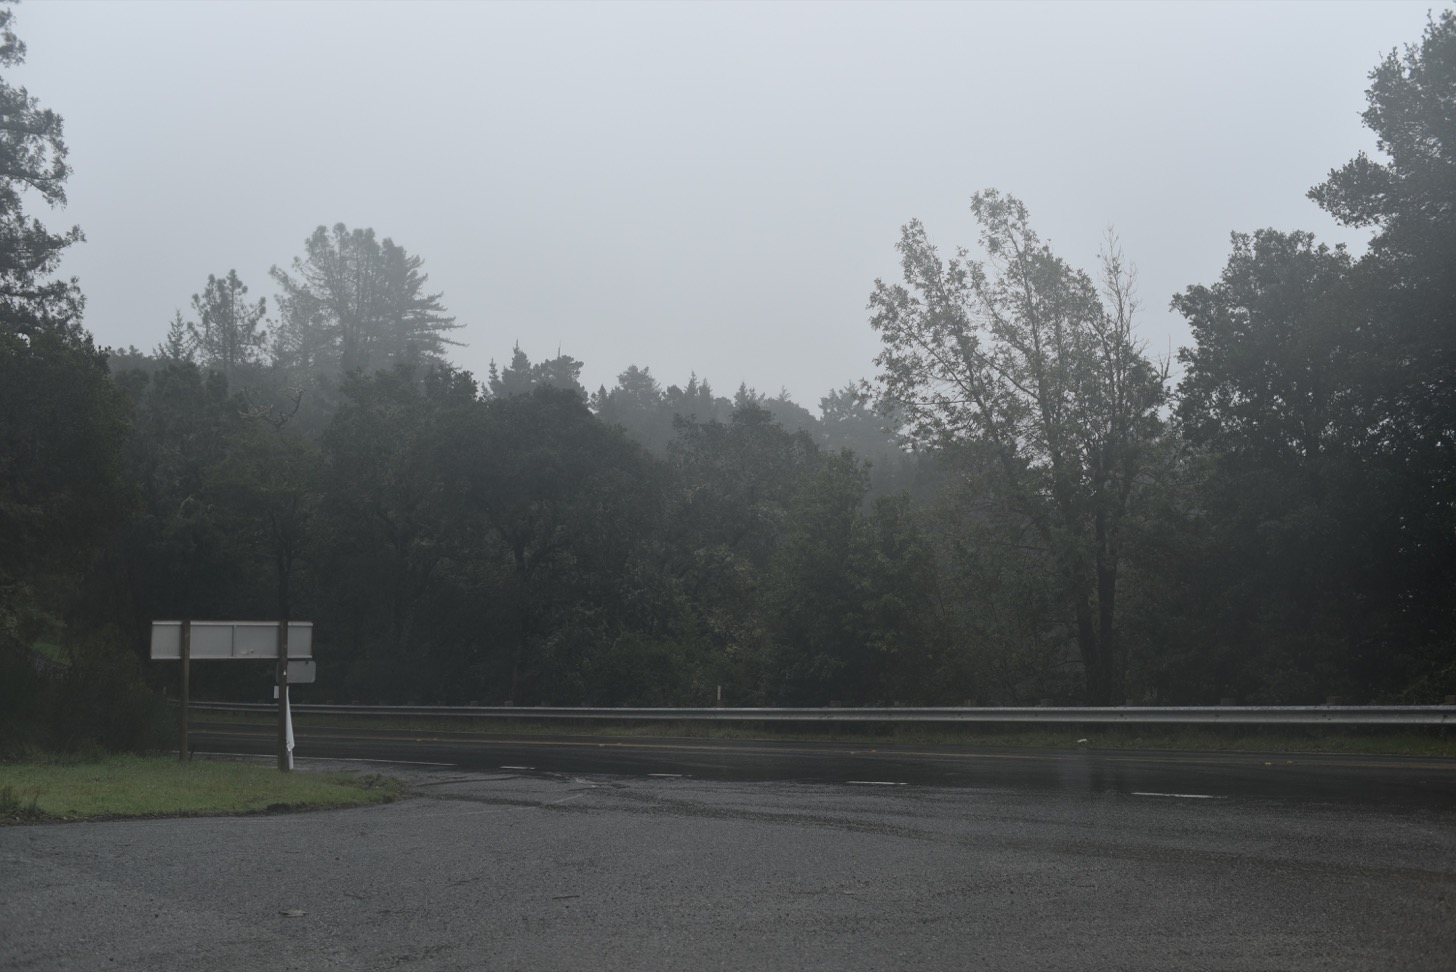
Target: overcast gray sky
709,187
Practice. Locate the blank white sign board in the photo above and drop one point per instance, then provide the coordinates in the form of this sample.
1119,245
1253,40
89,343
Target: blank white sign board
230,639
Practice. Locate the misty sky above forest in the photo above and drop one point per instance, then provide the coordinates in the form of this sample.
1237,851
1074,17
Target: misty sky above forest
689,186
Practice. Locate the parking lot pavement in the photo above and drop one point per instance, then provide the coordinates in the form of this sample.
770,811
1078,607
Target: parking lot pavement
516,869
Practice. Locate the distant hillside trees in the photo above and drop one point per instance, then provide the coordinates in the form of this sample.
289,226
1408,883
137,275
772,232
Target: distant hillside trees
521,377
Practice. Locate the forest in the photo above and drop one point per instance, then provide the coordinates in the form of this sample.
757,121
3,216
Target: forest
1018,503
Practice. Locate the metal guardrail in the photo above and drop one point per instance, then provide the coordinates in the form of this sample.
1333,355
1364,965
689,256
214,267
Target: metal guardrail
1334,715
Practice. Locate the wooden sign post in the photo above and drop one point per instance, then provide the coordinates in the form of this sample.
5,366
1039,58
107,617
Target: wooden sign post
284,762
292,645
182,755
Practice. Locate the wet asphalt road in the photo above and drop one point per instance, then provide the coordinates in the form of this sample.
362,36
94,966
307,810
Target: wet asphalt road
749,861
1402,782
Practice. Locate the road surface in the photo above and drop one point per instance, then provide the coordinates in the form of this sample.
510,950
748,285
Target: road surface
675,854
1393,781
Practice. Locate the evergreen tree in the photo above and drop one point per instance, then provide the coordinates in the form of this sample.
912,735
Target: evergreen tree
32,160
354,303
228,332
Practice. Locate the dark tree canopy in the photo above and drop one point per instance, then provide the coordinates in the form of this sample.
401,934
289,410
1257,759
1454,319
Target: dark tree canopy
1269,369
61,418
1412,110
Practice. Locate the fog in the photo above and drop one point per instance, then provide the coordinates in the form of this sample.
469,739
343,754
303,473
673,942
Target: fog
709,188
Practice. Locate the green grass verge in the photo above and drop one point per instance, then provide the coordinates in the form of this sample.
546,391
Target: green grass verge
1376,740
159,786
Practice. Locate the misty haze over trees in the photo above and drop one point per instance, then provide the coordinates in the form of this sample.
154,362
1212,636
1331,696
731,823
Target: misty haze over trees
1018,505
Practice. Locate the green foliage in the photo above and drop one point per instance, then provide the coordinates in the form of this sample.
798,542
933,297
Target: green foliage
60,419
1004,599
14,805
32,161
1017,358
176,558
391,539
850,597
1268,390
22,687
565,501
1269,376
813,600
1410,102
94,700
101,701
62,491
1324,393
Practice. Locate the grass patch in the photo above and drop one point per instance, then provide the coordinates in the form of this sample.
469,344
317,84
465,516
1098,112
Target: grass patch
1373,740
159,786
50,651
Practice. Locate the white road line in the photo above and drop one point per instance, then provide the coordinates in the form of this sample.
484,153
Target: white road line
873,783
674,776
518,767
338,759
1181,796
361,759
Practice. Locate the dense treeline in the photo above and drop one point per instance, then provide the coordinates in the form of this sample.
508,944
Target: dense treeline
1020,505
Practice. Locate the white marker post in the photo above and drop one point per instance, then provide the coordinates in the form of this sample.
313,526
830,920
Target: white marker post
288,722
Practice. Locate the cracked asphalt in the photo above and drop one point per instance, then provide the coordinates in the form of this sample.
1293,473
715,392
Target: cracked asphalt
515,869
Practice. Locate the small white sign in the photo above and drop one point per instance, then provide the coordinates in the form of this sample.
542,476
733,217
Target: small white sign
230,639
302,672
